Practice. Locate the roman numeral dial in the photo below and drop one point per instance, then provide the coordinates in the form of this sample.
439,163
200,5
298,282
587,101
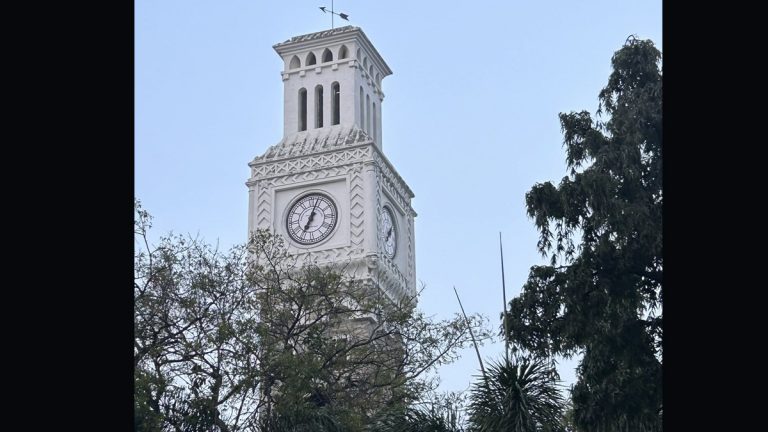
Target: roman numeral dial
388,232
311,219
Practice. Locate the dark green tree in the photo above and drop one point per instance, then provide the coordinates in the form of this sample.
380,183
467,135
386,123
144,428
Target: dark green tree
602,294
519,395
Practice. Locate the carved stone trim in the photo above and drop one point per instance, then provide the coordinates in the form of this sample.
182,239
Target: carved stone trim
394,185
312,162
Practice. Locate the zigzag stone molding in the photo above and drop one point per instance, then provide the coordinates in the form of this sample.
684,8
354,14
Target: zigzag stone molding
263,204
263,170
357,207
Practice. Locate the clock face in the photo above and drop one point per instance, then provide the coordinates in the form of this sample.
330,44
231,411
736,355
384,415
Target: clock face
311,219
388,233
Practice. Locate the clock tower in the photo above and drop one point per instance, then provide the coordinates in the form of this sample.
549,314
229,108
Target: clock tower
327,187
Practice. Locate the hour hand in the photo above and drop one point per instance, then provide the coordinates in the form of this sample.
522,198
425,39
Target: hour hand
309,221
311,215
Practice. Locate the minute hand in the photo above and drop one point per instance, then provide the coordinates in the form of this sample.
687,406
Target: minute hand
311,215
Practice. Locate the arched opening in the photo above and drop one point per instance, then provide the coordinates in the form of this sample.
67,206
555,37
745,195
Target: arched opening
374,120
343,52
302,109
368,114
378,80
362,109
335,104
357,56
311,59
318,106
327,56
365,63
370,71
295,63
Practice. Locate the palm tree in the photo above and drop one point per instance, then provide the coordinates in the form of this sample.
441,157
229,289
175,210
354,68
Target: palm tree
517,395
438,419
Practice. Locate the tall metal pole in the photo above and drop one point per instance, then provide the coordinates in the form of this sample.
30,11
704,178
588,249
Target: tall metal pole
472,334
504,296
332,10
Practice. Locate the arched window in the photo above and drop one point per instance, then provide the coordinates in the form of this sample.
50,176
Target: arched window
368,114
357,56
302,109
311,59
335,102
378,80
327,56
362,109
319,106
295,63
374,120
343,52
370,71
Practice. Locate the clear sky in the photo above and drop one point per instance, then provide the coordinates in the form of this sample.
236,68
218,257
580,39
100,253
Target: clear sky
469,120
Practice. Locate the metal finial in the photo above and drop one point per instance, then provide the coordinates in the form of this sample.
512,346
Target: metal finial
333,12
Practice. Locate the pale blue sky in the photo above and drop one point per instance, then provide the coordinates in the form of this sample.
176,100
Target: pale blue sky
469,120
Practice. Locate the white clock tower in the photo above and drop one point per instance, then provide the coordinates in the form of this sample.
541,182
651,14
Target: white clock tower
327,187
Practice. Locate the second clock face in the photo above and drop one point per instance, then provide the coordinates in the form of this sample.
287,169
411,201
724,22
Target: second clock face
388,232
311,219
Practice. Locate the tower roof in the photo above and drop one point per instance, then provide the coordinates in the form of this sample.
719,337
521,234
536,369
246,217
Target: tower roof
318,35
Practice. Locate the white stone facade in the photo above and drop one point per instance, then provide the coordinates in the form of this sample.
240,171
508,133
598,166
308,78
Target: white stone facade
362,68
343,161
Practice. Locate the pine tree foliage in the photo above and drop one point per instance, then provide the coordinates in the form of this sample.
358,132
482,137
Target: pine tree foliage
601,295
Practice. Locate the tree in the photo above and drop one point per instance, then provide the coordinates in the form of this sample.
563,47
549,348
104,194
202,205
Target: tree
251,340
604,299
195,344
568,417
338,344
519,395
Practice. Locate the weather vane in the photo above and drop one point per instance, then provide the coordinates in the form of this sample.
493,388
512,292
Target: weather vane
332,12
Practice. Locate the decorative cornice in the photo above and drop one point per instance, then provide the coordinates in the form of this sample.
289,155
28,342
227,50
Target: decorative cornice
314,141
306,163
328,37
316,35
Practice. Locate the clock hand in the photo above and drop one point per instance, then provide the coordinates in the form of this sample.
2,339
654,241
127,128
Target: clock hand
389,233
312,215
